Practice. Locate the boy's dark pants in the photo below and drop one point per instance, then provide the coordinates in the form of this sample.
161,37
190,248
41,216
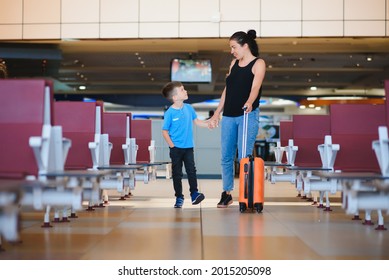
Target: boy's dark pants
178,157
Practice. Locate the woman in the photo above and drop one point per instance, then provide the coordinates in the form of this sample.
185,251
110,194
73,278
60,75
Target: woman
243,89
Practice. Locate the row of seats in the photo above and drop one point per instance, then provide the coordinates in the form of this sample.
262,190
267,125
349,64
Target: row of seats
344,151
61,154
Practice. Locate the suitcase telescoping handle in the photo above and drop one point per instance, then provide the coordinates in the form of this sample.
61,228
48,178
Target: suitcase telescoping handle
248,167
244,148
244,135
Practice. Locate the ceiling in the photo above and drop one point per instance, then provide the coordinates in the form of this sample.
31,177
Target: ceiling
133,72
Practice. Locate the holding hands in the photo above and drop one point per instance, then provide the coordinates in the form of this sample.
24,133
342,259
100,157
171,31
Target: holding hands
213,122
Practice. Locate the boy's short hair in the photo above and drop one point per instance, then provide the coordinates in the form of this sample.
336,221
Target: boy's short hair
168,91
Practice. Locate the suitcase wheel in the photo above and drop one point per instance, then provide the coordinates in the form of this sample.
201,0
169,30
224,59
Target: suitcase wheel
258,207
242,207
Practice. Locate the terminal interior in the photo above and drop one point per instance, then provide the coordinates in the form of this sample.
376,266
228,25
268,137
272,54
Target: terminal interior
305,77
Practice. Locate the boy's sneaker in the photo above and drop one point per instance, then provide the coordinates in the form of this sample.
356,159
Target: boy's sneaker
197,198
179,202
225,200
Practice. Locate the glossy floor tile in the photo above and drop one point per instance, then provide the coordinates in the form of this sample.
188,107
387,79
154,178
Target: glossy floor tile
147,227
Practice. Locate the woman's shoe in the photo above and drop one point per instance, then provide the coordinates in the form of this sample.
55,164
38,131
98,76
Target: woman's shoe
225,200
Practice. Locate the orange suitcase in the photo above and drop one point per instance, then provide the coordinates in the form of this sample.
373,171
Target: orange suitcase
251,177
251,184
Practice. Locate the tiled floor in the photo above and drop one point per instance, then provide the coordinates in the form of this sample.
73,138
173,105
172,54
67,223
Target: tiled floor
147,227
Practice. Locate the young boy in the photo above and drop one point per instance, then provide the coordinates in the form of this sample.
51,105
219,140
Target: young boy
177,131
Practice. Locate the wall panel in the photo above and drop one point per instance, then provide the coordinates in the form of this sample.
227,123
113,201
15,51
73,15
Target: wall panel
11,32
158,30
387,9
119,10
83,30
364,28
322,28
35,11
387,28
119,30
364,10
228,10
280,10
322,10
199,10
76,11
199,29
188,18
42,31
229,28
158,11
11,11
281,29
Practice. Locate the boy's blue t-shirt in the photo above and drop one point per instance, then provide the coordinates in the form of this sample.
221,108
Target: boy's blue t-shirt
179,123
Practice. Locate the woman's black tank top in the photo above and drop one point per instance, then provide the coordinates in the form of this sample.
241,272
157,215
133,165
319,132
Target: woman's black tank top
238,88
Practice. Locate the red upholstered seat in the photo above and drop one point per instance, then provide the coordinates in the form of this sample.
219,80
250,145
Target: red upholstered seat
355,127
78,120
309,132
141,131
21,116
115,125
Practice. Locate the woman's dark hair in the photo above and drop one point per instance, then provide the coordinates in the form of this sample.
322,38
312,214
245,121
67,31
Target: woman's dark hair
247,38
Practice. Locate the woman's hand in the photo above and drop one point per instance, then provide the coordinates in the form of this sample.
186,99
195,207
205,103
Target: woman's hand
248,106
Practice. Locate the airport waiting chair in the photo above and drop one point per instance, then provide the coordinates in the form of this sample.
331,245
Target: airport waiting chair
91,149
32,147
